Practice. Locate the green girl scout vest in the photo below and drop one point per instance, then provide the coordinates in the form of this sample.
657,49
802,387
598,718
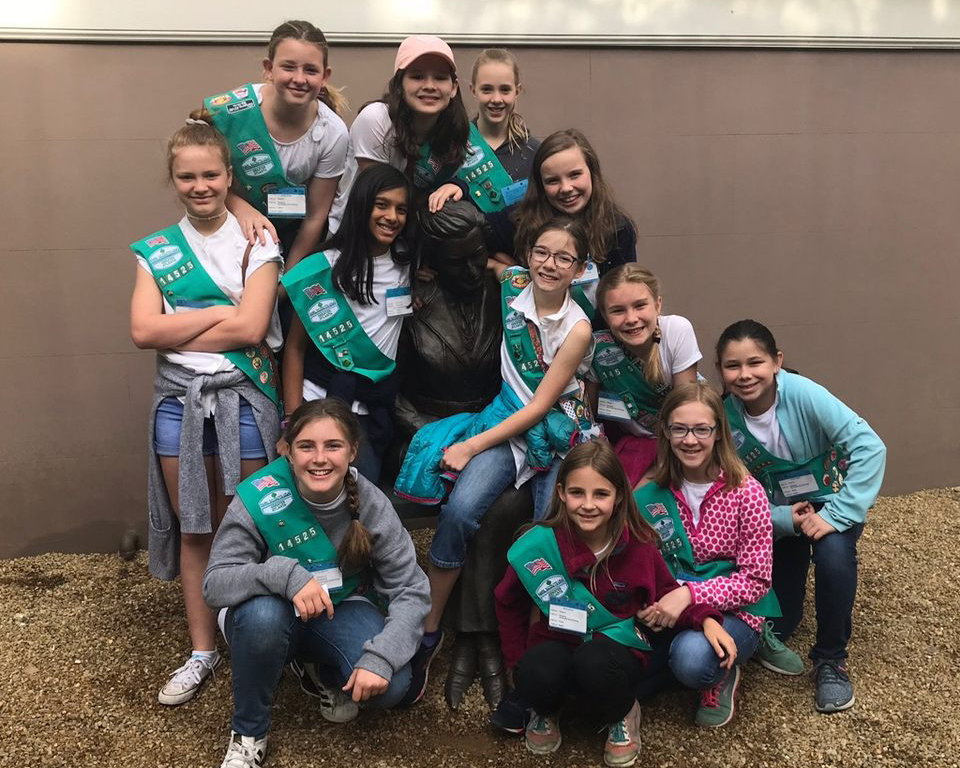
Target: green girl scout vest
289,527
622,375
658,506
526,350
535,557
330,321
812,480
256,164
184,282
481,171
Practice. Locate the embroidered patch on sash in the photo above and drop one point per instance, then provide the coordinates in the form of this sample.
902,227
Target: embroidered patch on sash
267,481
312,291
535,566
323,310
552,588
249,146
276,501
217,101
657,509
257,165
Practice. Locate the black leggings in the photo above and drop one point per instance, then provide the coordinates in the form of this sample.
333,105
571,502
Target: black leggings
601,673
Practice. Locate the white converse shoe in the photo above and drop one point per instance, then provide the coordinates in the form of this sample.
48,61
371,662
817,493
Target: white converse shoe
336,706
186,681
244,751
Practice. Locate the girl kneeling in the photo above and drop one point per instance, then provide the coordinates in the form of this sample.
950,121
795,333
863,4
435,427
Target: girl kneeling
716,536
306,553
589,567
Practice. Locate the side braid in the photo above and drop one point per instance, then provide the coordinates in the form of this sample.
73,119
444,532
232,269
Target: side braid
355,549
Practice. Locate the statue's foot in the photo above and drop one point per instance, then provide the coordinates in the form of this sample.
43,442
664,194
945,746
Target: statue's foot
463,668
493,674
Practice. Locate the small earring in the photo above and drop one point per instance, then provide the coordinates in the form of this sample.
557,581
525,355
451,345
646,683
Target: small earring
657,334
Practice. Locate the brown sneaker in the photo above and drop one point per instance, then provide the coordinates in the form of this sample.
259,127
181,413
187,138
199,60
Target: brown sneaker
623,740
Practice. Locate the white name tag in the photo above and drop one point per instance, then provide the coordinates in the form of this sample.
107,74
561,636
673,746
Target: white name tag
590,275
327,575
797,484
609,406
568,616
399,302
287,203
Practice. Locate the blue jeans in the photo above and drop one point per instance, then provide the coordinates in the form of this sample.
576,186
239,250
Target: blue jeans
369,460
835,570
166,434
264,634
694,662
484,478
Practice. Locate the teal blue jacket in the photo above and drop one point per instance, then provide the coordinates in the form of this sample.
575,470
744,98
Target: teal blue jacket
811,421
421,478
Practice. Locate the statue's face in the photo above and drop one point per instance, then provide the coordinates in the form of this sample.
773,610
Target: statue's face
460,270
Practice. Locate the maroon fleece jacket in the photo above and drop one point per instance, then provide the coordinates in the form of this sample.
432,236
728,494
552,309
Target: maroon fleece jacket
635,577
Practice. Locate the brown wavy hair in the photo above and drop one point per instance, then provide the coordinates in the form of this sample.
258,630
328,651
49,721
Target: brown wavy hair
669,470
297,29
600,214
599,456
355,549
199,133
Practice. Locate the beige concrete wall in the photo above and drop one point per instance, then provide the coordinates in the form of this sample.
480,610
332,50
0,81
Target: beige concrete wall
812,190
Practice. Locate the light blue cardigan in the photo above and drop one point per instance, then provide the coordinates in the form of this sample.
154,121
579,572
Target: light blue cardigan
811,420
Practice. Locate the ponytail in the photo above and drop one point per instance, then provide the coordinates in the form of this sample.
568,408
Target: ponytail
333,97
356,547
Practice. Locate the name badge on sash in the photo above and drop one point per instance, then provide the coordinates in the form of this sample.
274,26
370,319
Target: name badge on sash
514,193
610,406
327,575
287,203
797,485
590,274
399,302
568,616
682,577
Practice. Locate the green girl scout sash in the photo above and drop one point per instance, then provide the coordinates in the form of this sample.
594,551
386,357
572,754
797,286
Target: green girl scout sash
807,481
658,506
330,321
621,376
256,164
526,349
566,602
185,283
290,529
481,171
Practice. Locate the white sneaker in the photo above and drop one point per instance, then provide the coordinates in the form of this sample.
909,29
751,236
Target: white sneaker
336,706
244,751
186,681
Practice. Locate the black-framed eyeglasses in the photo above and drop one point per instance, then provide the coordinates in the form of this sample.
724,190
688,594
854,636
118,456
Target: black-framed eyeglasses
680,431
562,259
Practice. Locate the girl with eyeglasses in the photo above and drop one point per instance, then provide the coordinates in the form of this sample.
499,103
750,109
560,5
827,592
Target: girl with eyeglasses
636,363
821,466
716,537
528,428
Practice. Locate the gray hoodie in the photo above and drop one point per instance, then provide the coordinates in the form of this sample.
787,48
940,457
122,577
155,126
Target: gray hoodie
241,566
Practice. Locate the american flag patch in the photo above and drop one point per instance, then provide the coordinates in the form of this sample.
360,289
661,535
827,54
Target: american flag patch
657,509
158,240
249,146
535,566
267,481
311,291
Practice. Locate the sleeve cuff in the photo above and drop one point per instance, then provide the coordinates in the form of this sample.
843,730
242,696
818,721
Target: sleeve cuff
782,522
373,663
299,578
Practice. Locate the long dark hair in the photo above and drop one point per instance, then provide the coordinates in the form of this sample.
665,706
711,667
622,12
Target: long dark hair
357,544
353,271
600,215
448,137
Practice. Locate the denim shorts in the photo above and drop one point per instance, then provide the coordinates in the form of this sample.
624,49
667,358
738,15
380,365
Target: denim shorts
166,438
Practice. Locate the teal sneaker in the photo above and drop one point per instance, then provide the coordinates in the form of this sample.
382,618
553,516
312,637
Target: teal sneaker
717,703
834,689
774,655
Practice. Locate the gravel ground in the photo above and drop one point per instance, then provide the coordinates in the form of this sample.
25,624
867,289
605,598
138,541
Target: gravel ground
88,640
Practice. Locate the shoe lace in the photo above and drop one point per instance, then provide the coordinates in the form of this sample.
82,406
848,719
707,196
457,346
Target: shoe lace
831,672
618,732
239,755
191,673
710,696
540,723
770,639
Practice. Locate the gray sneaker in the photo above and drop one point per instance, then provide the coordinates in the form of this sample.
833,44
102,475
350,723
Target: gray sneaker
774,655
834,689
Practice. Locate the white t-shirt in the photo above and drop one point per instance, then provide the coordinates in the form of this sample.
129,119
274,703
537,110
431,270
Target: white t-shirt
678,350
766,429
553,332
221,255
371,138
320,153
383,330
694,494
